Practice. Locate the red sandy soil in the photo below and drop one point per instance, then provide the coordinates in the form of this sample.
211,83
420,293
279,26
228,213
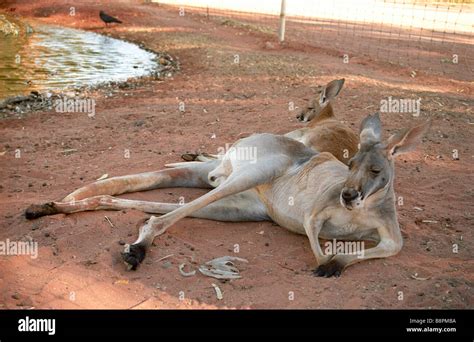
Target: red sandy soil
79,264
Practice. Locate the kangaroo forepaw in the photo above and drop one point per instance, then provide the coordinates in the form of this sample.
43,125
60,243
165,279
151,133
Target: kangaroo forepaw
331,268
198,157
37,210
189,156
133,255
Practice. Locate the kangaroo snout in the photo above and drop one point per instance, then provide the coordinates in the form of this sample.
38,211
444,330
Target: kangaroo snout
300,116
349,194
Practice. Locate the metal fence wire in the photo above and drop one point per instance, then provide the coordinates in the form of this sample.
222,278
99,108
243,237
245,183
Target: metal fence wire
432,36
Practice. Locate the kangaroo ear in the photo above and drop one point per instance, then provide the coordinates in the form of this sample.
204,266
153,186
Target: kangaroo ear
330,91
370,129
406,140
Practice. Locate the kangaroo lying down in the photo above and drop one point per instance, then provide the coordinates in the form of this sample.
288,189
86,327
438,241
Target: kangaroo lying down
289,183
324,132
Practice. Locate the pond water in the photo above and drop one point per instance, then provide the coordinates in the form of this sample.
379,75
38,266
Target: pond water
54,58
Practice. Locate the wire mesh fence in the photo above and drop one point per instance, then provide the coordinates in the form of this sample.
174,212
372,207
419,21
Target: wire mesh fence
436,37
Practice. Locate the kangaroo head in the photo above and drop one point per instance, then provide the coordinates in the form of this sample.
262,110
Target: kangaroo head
371,170
321,104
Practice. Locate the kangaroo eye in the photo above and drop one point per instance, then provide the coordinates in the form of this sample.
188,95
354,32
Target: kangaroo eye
375,171
350,164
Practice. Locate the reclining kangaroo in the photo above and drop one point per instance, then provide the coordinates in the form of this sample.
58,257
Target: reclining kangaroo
324,133
302,190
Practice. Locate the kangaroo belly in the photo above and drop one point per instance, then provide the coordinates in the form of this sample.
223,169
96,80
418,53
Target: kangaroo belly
291,198
281,209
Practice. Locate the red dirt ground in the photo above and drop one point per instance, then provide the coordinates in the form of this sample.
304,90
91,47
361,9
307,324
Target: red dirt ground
79,264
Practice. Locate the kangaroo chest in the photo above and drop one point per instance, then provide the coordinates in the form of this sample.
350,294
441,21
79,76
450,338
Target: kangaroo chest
345,223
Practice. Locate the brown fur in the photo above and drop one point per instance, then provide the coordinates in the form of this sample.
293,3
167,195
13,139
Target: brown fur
321,158
334,137
324,132
326,113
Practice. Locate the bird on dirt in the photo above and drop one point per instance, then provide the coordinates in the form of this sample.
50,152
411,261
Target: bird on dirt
107,19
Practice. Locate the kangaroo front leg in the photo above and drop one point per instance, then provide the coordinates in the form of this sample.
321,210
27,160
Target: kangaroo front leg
135,253
390,244
313,225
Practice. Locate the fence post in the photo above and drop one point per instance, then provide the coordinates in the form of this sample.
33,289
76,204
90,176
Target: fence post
281,30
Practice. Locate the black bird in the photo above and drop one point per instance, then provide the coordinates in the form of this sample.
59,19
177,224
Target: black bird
108,19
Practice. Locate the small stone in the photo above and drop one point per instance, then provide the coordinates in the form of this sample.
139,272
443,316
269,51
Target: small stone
166,264
27,302
269,45
139,123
